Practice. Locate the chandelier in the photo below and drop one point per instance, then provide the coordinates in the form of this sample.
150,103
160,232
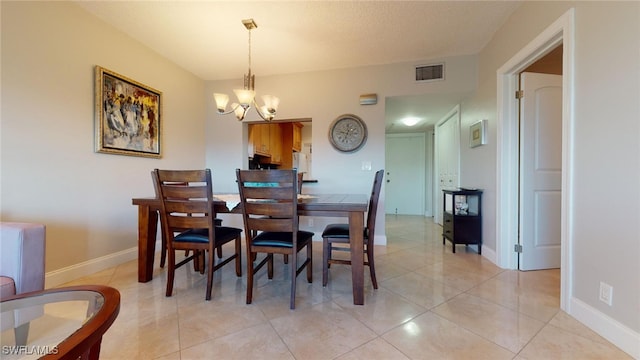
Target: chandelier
246,96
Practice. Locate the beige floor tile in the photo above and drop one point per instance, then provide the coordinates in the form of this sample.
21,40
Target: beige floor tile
420,290
555,343
172,356
209,320
432,337
496,323
462,278
127,339
524,296
258,342
375,349
273,298
324,331
384,311
410,259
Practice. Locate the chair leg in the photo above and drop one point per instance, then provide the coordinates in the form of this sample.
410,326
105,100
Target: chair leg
310,264
209,274
200,255
171,271
238,256
219,249
294,271
163,250
250,272
326,249
372,266
270,266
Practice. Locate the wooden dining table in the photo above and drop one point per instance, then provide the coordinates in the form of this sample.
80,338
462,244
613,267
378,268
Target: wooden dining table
351,206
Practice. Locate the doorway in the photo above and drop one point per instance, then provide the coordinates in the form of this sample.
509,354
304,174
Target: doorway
447,157
558,33
405,159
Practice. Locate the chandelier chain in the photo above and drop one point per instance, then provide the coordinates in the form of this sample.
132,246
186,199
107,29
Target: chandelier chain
249,52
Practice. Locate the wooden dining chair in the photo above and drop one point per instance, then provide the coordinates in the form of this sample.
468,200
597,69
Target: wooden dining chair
269,203
335,236
163,236
188,221
300,175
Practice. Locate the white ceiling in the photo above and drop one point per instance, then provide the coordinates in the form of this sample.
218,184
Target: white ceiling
208,39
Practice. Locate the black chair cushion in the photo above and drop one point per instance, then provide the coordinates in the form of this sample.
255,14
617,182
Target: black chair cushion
339,231
223,234
282,239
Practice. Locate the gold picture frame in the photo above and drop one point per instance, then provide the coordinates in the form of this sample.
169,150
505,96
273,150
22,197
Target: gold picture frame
128,116
478,133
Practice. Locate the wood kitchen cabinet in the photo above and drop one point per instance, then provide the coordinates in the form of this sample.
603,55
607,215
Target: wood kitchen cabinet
259,136
462,217
292,136
275,143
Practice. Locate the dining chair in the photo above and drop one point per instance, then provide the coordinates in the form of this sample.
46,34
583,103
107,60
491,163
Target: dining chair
163,237
300,175
335,236
188,221
269,203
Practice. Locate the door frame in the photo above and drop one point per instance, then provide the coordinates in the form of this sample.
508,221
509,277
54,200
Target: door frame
559,32
454,114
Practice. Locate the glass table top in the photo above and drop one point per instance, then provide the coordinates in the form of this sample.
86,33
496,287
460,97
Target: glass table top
33,326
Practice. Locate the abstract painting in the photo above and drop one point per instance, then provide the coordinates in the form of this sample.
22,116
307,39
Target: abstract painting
128,116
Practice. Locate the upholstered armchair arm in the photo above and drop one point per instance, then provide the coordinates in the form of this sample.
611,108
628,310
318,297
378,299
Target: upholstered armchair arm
22,255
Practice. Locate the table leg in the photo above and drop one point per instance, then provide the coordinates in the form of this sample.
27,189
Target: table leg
147,228
94,351
356,224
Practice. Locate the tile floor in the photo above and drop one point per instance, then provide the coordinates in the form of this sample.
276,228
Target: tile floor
431,304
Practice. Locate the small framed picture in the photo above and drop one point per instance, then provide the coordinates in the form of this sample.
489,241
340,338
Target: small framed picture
478,133
128,116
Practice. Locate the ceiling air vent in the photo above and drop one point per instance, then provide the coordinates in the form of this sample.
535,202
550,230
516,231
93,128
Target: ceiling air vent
430,72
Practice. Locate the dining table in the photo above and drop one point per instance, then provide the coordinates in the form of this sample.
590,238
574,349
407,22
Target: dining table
350,206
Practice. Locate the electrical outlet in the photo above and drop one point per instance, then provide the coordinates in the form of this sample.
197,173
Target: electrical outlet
366,166
606,293
310,222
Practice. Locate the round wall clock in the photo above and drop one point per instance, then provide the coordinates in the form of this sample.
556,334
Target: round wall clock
347,133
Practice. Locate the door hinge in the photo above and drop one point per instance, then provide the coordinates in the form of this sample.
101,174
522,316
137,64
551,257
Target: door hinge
517,248
519,94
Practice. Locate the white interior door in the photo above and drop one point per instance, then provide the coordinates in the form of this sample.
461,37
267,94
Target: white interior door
540,171
447,135
405,174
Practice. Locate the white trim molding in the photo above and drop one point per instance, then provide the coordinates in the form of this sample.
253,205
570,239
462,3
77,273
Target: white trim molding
70,273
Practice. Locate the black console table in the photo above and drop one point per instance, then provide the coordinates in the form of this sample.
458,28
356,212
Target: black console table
462,217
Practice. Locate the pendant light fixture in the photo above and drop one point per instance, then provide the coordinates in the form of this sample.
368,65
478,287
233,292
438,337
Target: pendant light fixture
246,95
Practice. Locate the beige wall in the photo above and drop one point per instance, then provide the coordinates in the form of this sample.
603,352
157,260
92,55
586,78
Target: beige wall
323,96
605,226
50,173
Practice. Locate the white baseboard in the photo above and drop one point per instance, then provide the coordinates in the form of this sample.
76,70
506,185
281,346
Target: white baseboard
618,334
489,254
76,271
380,240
